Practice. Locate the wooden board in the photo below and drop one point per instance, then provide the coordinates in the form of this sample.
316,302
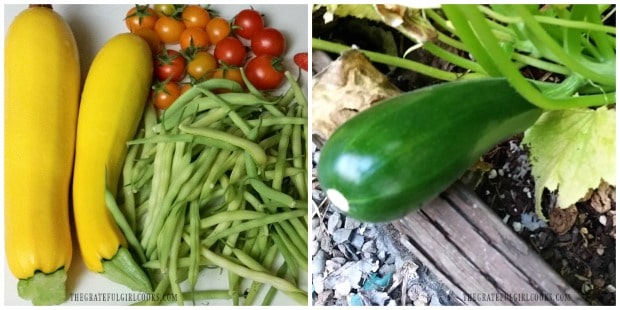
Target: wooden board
478,257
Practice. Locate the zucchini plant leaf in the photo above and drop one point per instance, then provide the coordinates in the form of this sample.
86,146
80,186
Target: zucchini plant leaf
572,151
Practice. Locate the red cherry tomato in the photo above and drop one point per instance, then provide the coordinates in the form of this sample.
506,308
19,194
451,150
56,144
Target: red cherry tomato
230,51
265,72
248,21
170,66
268,41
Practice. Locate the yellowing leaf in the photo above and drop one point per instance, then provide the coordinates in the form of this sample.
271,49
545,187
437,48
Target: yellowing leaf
572,151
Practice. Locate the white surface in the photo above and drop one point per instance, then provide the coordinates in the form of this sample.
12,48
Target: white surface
92,26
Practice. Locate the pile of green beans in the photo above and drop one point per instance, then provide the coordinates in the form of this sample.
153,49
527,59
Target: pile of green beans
220,180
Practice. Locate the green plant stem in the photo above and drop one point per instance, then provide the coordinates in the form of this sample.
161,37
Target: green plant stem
568,59
548,20
393,61
486,47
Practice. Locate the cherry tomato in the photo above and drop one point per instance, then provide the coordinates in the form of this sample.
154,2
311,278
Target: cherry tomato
169,29
268,41
165,93
193,37
164,9
265,72
185,87
151,37
218,28
233,74
170,66
140,16
301,60
248,21
201,66
195,16
230,51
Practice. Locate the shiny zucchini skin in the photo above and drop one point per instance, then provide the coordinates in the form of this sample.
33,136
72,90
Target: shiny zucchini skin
393,157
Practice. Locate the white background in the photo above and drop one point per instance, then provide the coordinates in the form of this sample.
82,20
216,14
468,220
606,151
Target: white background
92,26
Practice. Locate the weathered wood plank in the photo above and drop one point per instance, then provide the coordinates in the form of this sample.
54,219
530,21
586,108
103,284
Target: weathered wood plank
478,257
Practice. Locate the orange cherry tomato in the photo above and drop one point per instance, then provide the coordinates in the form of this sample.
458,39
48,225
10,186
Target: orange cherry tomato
165,93
195,16
140,16
202,66
217,29
194,37
169,29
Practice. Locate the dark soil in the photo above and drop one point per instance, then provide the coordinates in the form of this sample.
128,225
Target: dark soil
581,249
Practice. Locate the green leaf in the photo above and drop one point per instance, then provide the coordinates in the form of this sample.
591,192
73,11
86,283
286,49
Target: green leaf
572,151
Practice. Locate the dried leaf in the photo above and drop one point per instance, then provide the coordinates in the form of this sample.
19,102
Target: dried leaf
602,198
562,220
572,151
347,86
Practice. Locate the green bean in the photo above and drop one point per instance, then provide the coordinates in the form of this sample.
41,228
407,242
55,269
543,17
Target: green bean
274,110
270,141
299,96
288,172
272,194
159,185
276,121
296,239
129,205
225,228
281,284
203,163
248,261
201,104
265,220
194,244
238,171
110,202
149,120
254,149
237,120
256,248
300,259
252,200
251,88
299,162
282,152
284,250
197,90
210,142
164,239
287,98
223,162
174,255
301,229
183,262
167,204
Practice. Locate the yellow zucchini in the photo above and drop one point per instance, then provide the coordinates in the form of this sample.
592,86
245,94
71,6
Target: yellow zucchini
41,94
115,92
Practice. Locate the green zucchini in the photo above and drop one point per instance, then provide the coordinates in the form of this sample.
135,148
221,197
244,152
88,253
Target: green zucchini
402,152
